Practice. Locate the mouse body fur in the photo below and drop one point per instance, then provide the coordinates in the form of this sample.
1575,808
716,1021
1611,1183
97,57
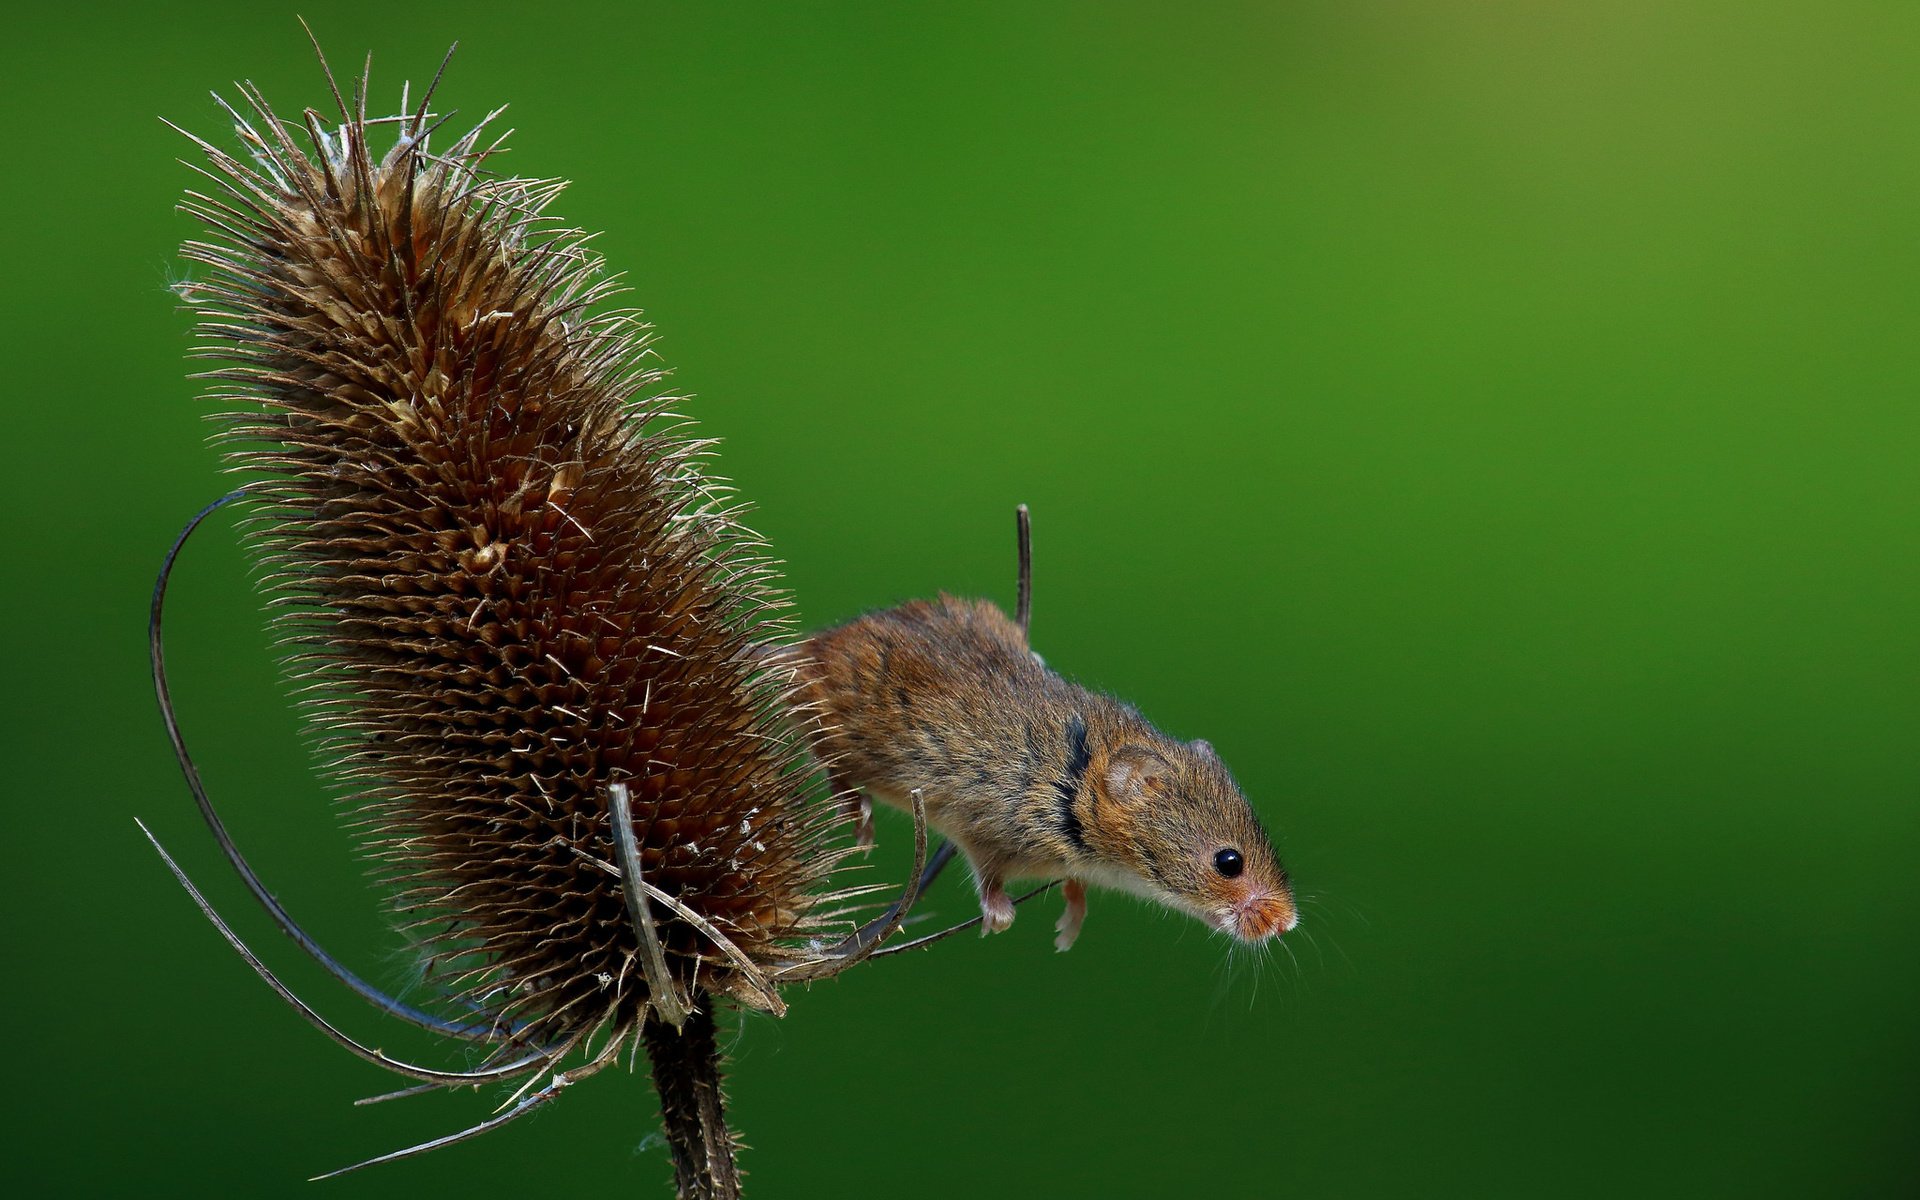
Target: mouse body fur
1032,776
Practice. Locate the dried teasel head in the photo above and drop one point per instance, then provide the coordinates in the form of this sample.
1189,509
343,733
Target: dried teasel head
519,609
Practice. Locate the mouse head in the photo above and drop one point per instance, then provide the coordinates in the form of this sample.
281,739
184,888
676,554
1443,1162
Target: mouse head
1172,815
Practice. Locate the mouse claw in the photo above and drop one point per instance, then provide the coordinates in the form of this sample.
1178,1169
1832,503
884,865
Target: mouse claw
863,831
856,807
1068,926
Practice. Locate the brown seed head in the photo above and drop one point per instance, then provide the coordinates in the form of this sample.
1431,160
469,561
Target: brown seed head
504,580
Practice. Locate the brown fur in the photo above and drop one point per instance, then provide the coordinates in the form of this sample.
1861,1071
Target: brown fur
945,697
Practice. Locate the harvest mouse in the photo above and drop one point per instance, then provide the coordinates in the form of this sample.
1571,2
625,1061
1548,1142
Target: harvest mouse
1031,775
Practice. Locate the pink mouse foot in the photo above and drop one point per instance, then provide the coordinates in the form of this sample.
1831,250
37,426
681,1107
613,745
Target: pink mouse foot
1068,926
996,909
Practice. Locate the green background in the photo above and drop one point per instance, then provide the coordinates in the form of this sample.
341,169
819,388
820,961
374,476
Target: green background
1492,425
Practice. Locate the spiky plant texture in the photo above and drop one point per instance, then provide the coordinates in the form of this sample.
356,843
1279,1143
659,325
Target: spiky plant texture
504,580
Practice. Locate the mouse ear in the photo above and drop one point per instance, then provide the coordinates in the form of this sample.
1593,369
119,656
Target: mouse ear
1133,774
1205,748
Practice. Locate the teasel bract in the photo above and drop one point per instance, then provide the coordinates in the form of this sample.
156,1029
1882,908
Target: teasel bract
528,629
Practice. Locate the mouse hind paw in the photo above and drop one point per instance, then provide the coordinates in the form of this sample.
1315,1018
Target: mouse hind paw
1068,926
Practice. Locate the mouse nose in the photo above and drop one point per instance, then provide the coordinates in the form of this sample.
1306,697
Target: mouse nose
1265,916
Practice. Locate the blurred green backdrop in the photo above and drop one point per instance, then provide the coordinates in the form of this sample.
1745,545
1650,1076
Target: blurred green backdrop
1493,425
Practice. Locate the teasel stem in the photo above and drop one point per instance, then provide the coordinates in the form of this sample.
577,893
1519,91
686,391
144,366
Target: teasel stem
686,1073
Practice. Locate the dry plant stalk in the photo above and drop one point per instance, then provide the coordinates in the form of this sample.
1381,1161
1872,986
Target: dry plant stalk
524,621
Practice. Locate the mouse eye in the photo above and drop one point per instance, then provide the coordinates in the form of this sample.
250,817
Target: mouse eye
1229,863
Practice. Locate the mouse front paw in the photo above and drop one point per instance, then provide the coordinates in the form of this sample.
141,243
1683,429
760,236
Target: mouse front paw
996,910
